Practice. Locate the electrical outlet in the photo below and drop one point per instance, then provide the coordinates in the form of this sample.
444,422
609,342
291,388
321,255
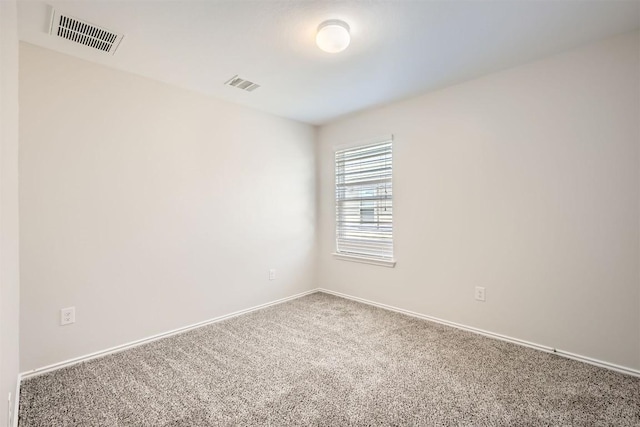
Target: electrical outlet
67,315
272,274
480,293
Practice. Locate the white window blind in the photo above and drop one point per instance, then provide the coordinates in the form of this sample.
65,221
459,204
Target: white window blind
364,202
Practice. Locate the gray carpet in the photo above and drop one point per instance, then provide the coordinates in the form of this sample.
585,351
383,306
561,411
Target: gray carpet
326,361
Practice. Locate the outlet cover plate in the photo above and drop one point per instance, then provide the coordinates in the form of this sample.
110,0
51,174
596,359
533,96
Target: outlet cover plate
67,316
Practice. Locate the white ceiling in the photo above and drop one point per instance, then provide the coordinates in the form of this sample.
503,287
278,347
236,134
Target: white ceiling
398,48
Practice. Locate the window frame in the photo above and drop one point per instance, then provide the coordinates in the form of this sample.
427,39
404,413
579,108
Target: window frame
350,256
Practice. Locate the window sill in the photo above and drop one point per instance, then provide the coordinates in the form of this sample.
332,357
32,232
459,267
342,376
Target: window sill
365,260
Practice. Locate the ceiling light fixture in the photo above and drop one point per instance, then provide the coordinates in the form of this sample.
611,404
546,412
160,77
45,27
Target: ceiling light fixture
333,36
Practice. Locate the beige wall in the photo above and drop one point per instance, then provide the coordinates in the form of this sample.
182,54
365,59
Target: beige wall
139,204
525,182
9,271
150,208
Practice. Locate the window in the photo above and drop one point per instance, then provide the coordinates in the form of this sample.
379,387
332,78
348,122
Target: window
364,203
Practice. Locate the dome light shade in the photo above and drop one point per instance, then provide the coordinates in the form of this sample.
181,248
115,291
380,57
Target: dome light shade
333,36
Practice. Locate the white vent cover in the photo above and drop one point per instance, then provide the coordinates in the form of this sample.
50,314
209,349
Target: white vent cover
84,33
236,81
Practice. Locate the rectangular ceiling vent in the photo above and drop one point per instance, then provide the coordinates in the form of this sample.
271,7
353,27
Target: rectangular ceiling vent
84,33
243,84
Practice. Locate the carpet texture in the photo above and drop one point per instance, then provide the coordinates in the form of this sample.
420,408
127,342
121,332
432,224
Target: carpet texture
326,361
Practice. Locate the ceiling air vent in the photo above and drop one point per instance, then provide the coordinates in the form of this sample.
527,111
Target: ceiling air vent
236,81
84,33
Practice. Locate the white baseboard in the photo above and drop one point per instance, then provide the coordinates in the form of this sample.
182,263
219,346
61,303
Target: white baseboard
569,355
16,403
122,347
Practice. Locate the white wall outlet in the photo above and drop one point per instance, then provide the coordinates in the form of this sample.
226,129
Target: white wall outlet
480,293
67,315
272,274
